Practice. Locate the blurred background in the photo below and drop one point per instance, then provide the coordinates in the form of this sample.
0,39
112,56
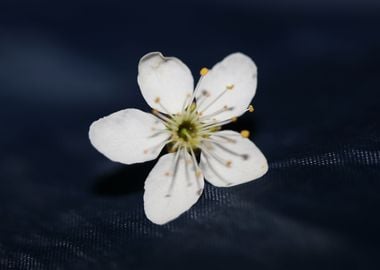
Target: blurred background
64,64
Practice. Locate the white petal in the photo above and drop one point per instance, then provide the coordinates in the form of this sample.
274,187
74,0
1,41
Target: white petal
164,79
128,136
240,163
183,192
236,71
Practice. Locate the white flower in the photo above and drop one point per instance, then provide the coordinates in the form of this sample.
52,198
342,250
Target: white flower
188,122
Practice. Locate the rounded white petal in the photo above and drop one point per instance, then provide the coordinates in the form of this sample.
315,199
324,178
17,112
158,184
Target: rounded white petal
128,136
166,197
234,81
165,82
232,161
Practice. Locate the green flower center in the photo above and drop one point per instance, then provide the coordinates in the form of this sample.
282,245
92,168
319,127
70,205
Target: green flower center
187,130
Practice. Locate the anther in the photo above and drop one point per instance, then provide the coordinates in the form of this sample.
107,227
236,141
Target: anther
211,167
204,71
250,108
158,101
227,139
233,119
230,86
245,156
244,133
205,93
229,163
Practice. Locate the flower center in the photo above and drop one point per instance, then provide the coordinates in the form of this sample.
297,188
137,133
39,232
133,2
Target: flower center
186,131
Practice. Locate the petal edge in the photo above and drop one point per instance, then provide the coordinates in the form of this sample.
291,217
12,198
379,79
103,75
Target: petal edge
184,193
165,82
126,135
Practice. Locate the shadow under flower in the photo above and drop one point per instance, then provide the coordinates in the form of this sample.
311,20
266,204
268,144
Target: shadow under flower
123,181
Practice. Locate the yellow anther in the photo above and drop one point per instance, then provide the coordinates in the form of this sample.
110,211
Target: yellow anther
198,174
229,163
244,133
233,119
230,86
250,108
157,100
203,71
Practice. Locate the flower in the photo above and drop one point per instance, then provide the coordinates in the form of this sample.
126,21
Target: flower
189,123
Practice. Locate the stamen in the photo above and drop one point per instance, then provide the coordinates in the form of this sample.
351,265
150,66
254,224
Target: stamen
219,159
187,176
224,137
191,109
200,99
198,172
250,108
224,109
154,148
159,132
174,170
203,71
174,147
221,146
205,93
207,127
188,96
244,133
206,157
158,101
215,100
230,86
163,117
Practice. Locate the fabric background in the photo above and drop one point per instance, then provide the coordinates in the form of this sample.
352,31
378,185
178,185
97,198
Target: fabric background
65,64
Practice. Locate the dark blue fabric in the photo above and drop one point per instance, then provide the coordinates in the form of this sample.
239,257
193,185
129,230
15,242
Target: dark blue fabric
65,206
